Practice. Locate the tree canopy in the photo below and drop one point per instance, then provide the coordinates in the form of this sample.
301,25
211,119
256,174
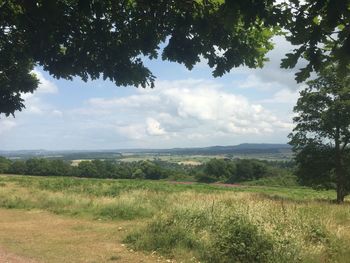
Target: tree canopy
320,30
111,39
322,132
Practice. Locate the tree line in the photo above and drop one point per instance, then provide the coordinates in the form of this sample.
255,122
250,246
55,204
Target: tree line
215,170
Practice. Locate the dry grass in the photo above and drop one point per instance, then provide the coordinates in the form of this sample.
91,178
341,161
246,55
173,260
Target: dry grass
295,218
51,238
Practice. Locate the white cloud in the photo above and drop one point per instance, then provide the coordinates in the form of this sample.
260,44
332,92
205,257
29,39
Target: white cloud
6,125
57,113
285,96
34,102
133,131
34,109
193,109
176,113
271,76
45,86
153,127
132,101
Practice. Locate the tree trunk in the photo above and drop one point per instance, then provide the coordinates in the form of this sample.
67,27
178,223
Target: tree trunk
340,194
339,171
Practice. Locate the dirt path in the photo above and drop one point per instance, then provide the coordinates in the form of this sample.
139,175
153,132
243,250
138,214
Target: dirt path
39,237
211,184
7,257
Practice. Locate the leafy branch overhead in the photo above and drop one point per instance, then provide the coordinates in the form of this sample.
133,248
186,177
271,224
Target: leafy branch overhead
110,39
320,30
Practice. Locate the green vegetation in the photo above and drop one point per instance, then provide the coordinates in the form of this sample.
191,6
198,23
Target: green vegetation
284,181
4,165
321,136
209,222
269,217
241,30
215,170
102,40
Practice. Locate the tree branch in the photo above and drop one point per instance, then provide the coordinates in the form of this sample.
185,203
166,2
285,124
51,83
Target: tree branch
4,4
345,144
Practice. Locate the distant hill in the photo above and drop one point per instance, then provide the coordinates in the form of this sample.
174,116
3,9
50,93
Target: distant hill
244,149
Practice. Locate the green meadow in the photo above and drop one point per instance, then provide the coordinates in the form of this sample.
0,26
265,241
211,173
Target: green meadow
189,222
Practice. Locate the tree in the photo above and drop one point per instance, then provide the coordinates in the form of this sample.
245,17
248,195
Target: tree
4,165
138,174
220,169
88,169
250,170
151,171
320,30
322,132
18,167
315,166
110,39
58,168
37,167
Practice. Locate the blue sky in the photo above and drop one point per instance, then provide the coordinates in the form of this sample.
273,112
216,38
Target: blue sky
185,109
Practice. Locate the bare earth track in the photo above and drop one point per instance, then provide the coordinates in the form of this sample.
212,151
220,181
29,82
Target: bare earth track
7,257
39,237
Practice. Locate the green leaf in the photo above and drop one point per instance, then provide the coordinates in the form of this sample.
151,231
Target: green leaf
316,20
341,27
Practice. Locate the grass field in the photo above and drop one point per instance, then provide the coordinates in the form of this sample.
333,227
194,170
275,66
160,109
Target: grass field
183,223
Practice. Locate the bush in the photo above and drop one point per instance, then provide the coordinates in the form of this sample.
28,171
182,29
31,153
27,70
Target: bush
210,238
163,235
235,239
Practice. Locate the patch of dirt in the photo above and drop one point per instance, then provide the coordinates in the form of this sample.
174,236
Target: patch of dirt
178,182
38,237
226,185
215,184
7,257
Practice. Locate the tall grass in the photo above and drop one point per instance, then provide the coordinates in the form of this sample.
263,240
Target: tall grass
246,228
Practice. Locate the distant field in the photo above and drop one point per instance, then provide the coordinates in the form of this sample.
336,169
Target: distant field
182,223
200,159
179,159
197,159
76,162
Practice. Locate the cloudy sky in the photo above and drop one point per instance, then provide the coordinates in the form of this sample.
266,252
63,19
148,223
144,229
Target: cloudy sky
185,109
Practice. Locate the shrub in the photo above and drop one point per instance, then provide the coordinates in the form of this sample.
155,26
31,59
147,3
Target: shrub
125,211
163,235
235,239
210,237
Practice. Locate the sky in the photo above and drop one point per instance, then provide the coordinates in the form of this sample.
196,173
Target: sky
185,109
